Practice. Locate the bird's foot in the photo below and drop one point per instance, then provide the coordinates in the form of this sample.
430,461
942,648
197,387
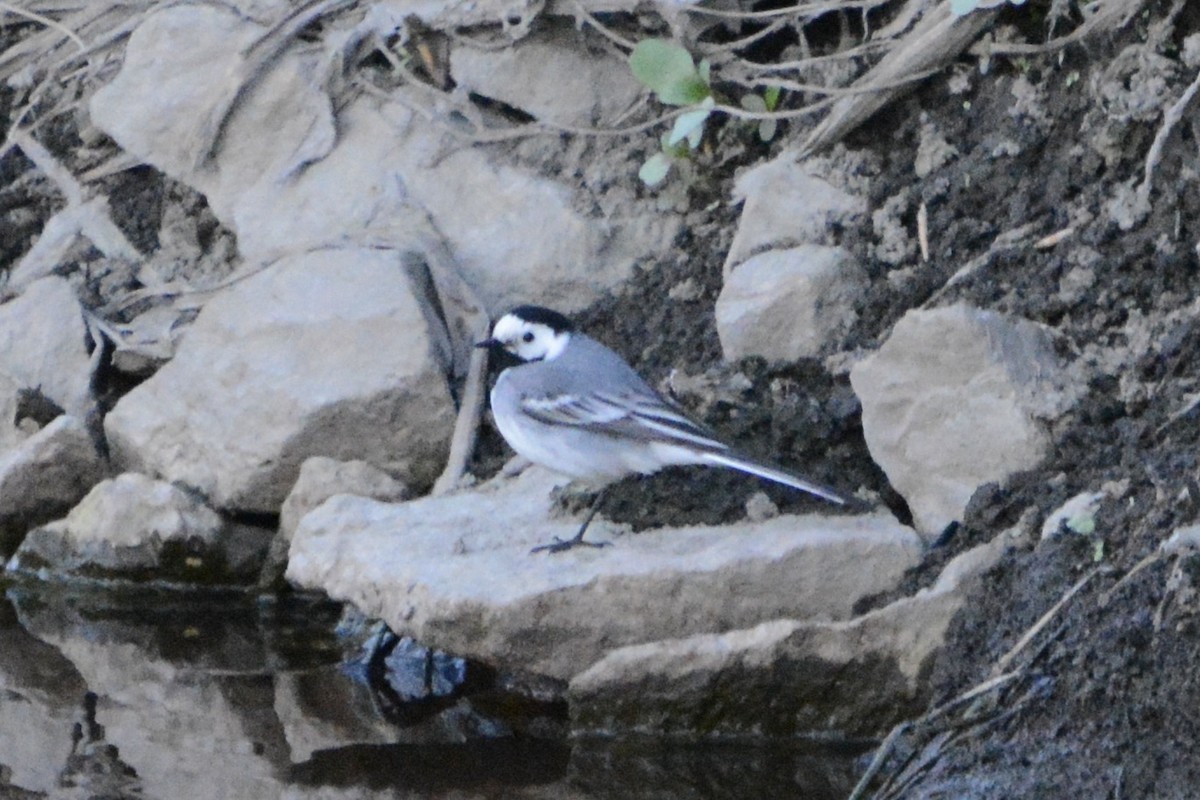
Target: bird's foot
563,545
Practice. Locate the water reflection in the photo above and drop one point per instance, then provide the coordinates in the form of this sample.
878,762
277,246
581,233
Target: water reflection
170,695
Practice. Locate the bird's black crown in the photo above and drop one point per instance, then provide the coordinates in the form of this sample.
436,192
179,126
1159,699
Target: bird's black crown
543,316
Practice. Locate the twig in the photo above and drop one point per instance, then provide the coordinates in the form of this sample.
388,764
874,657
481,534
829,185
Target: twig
1154,155
49,23
601,28
255,59
797,10
1023,642
881,754
923,231
745,41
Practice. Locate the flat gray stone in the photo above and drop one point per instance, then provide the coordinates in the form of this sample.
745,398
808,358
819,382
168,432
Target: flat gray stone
783,678
455,573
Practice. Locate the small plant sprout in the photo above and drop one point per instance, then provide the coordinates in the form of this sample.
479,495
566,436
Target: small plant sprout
769,101
669,71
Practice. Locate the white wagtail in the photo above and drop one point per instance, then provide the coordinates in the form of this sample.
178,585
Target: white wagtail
575,407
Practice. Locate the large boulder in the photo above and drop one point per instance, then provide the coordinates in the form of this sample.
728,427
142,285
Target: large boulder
455,573
329,353
955,398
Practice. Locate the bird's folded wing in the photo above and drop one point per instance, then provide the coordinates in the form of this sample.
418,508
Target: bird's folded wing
634,415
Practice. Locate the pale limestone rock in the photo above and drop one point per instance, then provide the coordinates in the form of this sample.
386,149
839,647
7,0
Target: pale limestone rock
789,304
133,526
43,344
785,205
10,434
378,177
733,683
455,573
551,75
956,398
321,478
43,476
328,353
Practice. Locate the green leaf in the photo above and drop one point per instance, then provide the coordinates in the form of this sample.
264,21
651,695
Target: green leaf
1083,524
655,169
771,97
669,71
690,126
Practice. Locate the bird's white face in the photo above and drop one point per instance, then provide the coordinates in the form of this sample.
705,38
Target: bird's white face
529,341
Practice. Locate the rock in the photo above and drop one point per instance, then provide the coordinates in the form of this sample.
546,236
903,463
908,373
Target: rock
328,353
785,205
783,678
135,527
165,103
321,478
455,573
10,434
956,398
43,344
383,177
1077,515
43,476
552,75
789,304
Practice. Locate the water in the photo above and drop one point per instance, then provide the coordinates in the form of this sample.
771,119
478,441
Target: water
157,694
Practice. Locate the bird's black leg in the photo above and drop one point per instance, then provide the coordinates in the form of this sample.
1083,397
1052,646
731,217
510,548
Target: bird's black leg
560,545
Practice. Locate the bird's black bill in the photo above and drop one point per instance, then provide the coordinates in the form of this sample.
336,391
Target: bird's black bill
490,344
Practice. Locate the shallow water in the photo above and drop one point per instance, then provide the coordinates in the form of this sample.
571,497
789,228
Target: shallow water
160,694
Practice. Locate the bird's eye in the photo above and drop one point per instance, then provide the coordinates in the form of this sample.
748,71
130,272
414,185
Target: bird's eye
528,337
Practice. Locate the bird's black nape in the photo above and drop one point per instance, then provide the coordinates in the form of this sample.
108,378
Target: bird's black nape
543,316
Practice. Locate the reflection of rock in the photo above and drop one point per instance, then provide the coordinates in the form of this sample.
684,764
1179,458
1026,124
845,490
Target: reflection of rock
43,476
183,687
956,398
324,354
785,678
455,573
40,692
136,527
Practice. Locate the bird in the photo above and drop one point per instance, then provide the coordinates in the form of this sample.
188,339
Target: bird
576,407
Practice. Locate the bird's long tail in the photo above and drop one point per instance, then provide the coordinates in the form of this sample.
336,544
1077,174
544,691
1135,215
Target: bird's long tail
742,464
